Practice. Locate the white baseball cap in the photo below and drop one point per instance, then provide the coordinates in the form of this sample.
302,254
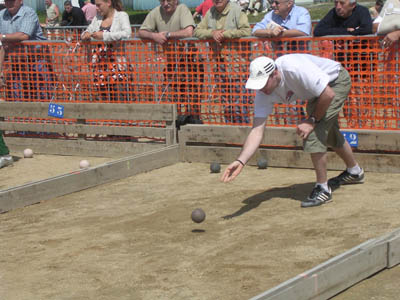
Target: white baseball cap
260,70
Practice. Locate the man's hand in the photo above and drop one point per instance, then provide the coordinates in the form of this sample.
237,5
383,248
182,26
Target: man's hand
352,29
160,37
391,38
304,129
277,31
232,171
218,36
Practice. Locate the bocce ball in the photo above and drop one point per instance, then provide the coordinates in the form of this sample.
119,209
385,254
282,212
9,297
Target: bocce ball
198,215
262,163
28,153
83,164
215,167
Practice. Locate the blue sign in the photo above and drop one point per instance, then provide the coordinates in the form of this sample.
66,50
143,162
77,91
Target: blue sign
56,110
351,137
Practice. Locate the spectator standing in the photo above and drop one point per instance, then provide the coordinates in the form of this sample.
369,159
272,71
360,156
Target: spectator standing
203,8
223,22
52,14
170,21
17,23
285,20
108,65
376,9
325,85
72,16
89,11
347,18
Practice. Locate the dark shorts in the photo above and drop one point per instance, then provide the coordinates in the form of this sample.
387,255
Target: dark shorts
326,132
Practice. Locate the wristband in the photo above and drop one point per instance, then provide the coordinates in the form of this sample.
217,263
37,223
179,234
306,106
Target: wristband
240,162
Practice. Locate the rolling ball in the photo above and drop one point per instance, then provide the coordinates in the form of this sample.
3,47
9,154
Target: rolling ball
262,163
198,215
83,164
28,153
215,167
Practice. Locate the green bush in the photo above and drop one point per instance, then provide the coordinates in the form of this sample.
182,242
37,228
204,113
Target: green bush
137,17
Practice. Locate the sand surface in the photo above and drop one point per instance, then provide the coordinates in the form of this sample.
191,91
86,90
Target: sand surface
134,239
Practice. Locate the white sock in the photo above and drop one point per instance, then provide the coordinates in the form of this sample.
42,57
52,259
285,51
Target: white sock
354,170
324,186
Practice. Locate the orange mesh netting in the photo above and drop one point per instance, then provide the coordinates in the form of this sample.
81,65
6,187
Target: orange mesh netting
204,80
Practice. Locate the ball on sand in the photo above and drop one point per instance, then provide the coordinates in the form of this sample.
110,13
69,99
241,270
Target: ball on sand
262,163
198,215
83,164
215,167
28,153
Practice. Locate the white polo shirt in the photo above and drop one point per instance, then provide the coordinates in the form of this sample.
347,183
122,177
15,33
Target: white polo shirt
303,76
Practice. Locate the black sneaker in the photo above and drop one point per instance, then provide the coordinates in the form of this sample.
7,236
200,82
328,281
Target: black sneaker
317,197
346,178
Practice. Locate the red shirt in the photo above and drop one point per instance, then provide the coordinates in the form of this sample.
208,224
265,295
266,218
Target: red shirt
204,7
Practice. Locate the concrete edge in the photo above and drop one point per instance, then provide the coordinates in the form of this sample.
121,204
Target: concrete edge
49,188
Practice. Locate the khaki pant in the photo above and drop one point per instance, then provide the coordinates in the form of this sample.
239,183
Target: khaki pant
327,131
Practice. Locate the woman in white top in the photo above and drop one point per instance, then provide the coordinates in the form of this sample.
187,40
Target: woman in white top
108,61
110,24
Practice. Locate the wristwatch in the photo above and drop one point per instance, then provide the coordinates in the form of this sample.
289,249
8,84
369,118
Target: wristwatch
168,35
3,37
313,120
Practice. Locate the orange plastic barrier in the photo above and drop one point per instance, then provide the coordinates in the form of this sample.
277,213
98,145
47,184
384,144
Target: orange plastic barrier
204,80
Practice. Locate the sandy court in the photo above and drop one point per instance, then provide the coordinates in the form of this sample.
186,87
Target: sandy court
133,238
39,167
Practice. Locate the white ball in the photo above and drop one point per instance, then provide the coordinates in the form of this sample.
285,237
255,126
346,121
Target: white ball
83,164
28,153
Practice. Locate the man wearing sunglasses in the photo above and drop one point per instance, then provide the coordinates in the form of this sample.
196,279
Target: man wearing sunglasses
285,20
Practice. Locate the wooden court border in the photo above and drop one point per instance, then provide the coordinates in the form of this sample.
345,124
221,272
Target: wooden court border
53,187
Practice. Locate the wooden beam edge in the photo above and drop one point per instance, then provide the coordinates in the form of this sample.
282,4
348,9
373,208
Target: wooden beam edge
340,272
42,190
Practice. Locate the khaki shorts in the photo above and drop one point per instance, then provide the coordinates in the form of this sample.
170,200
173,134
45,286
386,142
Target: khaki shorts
326,133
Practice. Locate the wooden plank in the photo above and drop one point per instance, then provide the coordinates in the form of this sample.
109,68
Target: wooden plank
237,135
394,250
372,162
82,179
382,140
107,111
80,147
86,129
333,276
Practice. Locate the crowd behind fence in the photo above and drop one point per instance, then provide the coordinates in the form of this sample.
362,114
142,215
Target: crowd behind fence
204,80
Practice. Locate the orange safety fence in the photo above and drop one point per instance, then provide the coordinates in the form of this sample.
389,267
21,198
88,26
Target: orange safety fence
206,81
